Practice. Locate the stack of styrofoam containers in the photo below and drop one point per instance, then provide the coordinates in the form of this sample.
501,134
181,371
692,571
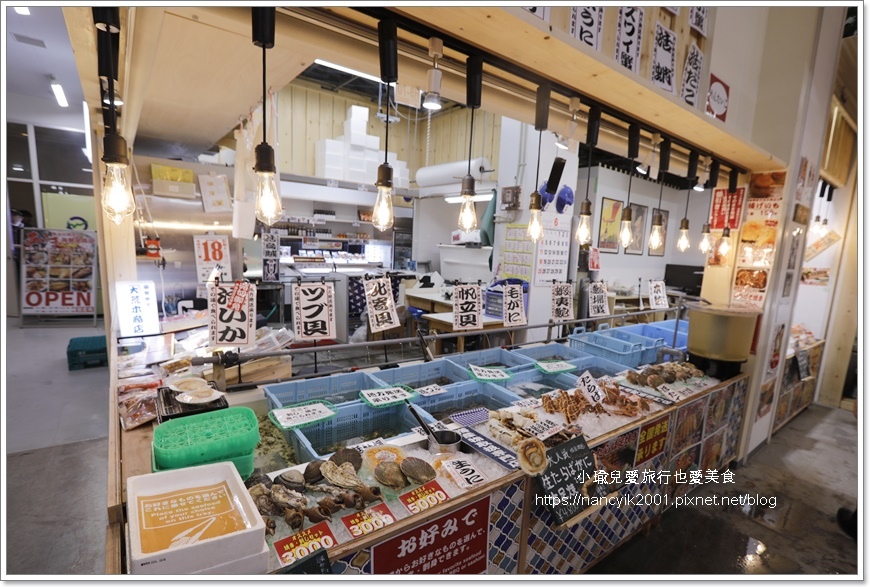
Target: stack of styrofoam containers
329,159
355,144
197,496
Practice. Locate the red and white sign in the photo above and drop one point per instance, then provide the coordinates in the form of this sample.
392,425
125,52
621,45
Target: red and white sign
720,217
228,326
368,520
455,543
717,98
594,259
211,250
57,271
423,498
303,543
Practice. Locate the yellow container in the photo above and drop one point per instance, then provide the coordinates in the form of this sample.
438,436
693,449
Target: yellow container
721,332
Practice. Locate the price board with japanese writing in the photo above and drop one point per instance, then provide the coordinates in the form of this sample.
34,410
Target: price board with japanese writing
137,308
302,414
570,466
314,311
488,373
429,390
380,306
513,306
490,449
271,254
455,543
658,299
553,367
562,301
463,472
425,497
588,385
653,440
232,315
57,271
303,543
381,398
598,299
467,308
368,520
211,251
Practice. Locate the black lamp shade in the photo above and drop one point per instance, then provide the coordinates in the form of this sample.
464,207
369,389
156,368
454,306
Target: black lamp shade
473,80
555,175
264,158
692,170
542,107
388,48
665,155
263,26
593,125
633,140
115,149
107,61
732,180
713,180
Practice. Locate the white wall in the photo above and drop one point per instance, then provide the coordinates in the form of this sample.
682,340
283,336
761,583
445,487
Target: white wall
434,222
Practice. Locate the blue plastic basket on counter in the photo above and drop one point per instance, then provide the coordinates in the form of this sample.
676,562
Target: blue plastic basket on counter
337,389
463,396
654,331
650,344
512,361
552,349
424,374
599,344
534,383
669,325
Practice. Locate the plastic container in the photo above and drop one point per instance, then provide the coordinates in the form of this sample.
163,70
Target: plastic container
565,352
608,347
669,325
653,331
415,376
353,420
86,351
719,332
534,383
650,344
244,464
511,361
336,389
464,396
227,434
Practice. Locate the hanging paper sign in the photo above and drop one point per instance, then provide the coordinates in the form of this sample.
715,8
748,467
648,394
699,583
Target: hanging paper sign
239,295
720,217
303,543
717,98
698,19
658,299
488,373
430,390
57,271
215,193
586,22
629,29
367,521
380,305
542,12
543,429
380,398
691,86
271,253
562,302
463,472
598,299
229,327
594,259
314,311
302,414
664,62
467,308
532,402
489,448
554,366
137,308
513,306
589,386
211,251
652,441
821,244
422,498
675,10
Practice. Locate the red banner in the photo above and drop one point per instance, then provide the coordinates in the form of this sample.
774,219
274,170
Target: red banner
303,543
455,543
368,520
424,497
719,210
653,438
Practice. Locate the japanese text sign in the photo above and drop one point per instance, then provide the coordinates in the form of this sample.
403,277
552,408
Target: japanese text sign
428,390
658,299
653,439
211,251
720,216
488,373
698,19
367,521
562,302
314,311
570,466
598,299
543,429
513,306
554,366
384,397
587,384
691,86
380,305
664,63
228,327
629,32
271,254
821,244
463,472
467,308
490,449
531,402
303,543
57,271
717,98
137,308
303,414
586,22
424,497
455,543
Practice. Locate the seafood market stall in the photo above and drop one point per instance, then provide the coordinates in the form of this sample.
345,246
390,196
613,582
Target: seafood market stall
554,441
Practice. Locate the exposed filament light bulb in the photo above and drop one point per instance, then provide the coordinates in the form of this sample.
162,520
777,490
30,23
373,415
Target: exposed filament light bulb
706,241
268,207
382,214
723,245
683,243
117,197
584,227
656,236
467,215
625,233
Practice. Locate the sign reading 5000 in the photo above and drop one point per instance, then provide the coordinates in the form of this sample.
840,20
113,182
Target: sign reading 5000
57,271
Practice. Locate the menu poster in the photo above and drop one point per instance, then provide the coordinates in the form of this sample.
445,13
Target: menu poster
519,253
57,271
691,86
232,315
215,193
586,22
616,457
271,252
629,32
568,479
664,59
314,311
467,308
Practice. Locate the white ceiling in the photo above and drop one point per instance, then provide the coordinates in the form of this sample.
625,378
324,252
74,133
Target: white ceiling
29,69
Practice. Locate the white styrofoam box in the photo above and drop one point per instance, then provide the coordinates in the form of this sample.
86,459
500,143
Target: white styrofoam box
187,557
372,168
256,564
373,142
355,163
392,158
358,113
331,172
358,177
356,125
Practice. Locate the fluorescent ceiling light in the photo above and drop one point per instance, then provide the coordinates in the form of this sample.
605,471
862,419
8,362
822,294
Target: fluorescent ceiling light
22,10
17,167
87,170
87,116
58,94
349,71
475,198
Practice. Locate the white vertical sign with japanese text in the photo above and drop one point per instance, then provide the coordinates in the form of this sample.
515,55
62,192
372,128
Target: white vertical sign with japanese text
137,308
211,251
664,59
380,305
467,308
598,299
513,306
314,311
562,302
629,29
691,86
586,24
232,314
658,299
271,248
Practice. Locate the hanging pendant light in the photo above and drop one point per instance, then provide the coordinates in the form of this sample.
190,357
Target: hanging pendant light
626,234
382,214
117,196
647,167
268,207
432,95
473,88
723,244
692,180
584,224
542,114
706,243
656,234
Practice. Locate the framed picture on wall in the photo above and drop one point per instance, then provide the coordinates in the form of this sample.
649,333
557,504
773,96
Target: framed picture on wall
638,229
608,225
660,252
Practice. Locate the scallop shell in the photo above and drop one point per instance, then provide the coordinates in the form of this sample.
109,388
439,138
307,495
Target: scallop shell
312,472
291,480
390,474
375,455
418,470
342,476
631,376
532,455
347,455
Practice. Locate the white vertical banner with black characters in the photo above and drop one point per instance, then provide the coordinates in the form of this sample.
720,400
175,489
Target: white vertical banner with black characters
691,86
271,245
658,298
380,305
598,299
698,19
562,301
232,314
513,306
314,311
664,59
629,29
467,308
586,24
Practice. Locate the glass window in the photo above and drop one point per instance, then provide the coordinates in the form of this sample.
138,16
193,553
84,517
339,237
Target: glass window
21,198
61,157
17,153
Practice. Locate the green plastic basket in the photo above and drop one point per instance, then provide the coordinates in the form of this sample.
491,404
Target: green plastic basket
244,464
205,438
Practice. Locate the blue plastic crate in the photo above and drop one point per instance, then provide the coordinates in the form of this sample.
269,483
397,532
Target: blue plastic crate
669,325
608,347
537,353
463,396
650,344
353,420
513,361
534,383
424,374
653,331
337,389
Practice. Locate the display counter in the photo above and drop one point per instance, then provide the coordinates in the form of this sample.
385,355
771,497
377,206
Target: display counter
798,390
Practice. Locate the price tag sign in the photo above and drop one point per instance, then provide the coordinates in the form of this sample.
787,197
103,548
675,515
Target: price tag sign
368,520
430,390
669,392
367,444
658,299
532,402
463,472
424,497
379,398
271,254
489,448
589,386
700,383
488,373
554,366
434,427
543,429
303,543
467,308
211,251
295,416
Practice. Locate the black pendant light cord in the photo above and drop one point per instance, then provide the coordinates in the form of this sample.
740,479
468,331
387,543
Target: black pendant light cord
265,116
387,133
538,168
589,173
661,189
471,143
630,175
688,193
108,42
